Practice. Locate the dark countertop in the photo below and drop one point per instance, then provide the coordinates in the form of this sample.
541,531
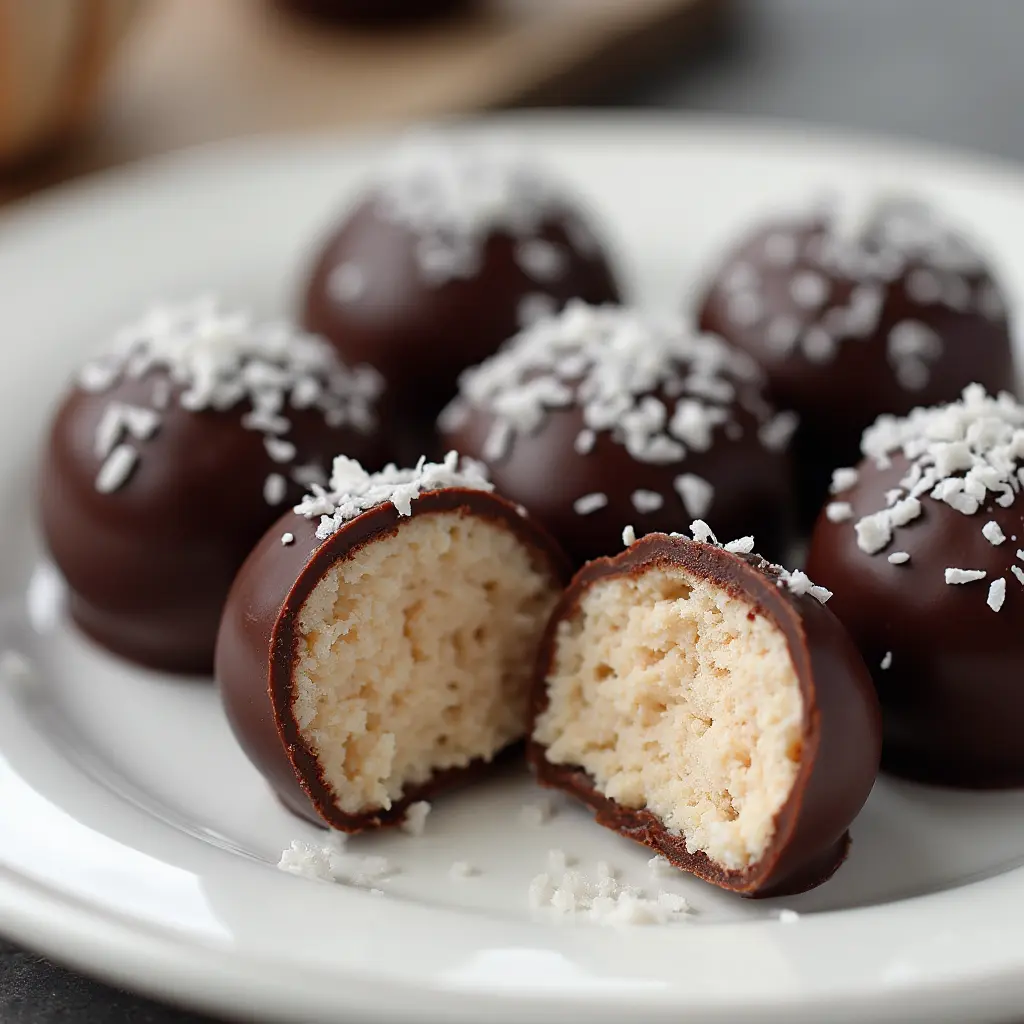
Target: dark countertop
943,70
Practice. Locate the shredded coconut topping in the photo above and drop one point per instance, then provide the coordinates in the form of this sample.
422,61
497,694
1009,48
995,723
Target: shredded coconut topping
886,661
216,359
415,821
453,198
968,455
997,594
654,386
352,491
878,244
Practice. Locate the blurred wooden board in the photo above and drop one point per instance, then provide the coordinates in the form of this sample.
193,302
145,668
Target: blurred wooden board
192,71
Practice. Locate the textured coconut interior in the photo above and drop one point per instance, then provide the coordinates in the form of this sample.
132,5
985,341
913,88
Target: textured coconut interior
416,655
674,699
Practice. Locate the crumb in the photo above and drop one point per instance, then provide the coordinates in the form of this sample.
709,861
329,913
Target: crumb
416,818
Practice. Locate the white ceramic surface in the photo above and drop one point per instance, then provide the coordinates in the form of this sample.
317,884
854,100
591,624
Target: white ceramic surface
137,843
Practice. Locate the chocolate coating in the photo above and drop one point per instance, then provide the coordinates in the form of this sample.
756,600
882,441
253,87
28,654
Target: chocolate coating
544,472
841,727
952,703
838,396
420,335
258,635
149,565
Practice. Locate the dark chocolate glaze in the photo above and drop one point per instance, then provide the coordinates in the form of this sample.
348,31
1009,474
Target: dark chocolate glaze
545,473
373,13
149,565
836,400
256,644
418,335
952,699
841,726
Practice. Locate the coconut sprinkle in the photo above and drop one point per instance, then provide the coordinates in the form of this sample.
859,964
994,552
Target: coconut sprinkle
346,283
886,663
415,821
838,511
646,501
536,814
997,594
653,386
992,533
454,197
741,546
287,538
843,480
899,558
351,490
589,504
696,493
959,576
275,487
1018,573
214,359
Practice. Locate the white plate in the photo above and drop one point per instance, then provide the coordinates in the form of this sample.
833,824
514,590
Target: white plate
136,841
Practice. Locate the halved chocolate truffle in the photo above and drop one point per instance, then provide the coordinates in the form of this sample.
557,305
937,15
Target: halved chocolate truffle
171,455
707,704
378,644
448,253
923,544
858,310
604,416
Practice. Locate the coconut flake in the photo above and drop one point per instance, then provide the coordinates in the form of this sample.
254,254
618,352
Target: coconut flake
346,283
646,501
740,546
992,533
589,504
695,492
997,594
958,576
116,469
352,490
843,480
838,511
899,558
628,536
415,820
886,661
537,813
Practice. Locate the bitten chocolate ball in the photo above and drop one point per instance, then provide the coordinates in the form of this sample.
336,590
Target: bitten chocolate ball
859,311
378,644
923,544
707,704
171,455
449,253
602,417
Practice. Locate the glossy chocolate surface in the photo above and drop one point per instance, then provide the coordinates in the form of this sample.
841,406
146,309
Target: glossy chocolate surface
841,728
149,565
421,335
256,643
375,12
952,699
837,398
544,472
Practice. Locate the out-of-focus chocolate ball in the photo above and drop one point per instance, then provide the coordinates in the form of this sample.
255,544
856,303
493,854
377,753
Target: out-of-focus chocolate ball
922,546
859,310
601,418
448,253
171,455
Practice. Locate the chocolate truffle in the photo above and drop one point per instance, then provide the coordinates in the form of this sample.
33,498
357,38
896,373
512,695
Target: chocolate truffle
449,252
856,310
378,644
602,416
706,704
923,544
171,455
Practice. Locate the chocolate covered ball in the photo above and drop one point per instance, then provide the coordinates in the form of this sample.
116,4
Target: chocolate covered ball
923,544
446,256
858,310
378,644
707,704
603,417
171,455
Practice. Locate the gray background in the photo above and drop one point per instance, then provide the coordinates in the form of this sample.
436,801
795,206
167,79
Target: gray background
950,71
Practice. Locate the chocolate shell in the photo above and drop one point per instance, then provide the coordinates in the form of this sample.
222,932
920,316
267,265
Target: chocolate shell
260,640
945,656
852,320
839,730
148,507
618,419
421,296
375,13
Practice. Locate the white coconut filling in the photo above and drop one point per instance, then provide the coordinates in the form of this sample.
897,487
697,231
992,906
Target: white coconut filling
415,655
672,699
